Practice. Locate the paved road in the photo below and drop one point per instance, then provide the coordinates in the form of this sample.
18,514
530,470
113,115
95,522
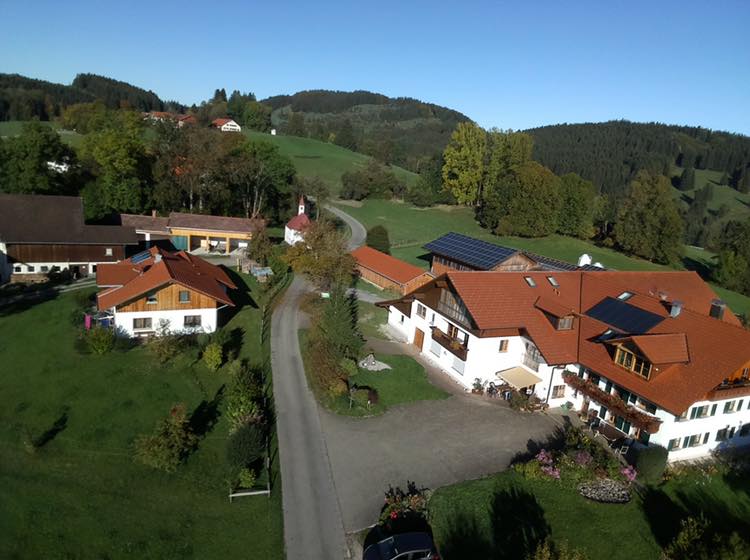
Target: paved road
359,233
313,527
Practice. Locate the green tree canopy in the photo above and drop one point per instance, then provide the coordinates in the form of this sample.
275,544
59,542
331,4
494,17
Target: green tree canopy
648,222
338,323
25,159
576,217
323,256
687,179
463,170
295,126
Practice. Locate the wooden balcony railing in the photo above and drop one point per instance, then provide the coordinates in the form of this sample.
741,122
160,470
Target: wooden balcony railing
454,346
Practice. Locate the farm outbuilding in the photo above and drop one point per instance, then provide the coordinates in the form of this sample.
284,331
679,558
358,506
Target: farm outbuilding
387,272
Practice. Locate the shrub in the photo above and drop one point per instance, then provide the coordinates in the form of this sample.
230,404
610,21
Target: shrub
213,356
245,391
99,340
549,551
518,400
165,347
171,442
400,503
651,462
697,540
246,445
246,478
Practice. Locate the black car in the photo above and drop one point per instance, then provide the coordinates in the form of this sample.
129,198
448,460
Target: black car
406,546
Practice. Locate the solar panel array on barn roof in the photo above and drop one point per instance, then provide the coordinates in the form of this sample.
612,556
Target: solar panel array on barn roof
623,316
483,255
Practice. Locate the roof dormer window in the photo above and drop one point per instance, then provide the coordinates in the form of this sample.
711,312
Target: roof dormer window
633,362
625,296
530,281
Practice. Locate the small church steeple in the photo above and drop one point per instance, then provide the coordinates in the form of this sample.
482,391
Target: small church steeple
301,208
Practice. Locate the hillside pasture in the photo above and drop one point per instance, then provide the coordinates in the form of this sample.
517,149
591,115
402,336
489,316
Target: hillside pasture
9,129
327,161
738,203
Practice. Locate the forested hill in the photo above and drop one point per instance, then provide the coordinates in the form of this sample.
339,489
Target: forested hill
400,130
610,154
23,98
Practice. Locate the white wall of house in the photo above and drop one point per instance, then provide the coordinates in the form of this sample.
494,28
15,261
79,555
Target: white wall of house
175,320
292,236
5,269
45,267
231,126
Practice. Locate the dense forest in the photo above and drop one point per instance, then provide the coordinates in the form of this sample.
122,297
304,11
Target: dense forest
23,98
611,154
404,131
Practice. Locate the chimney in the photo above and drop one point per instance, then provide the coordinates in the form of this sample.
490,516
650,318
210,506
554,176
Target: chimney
153,213
676,308
157,258
717,309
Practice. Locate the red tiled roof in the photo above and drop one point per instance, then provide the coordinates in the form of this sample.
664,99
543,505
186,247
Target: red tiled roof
221,122
127,280
692,353
299,223
385,265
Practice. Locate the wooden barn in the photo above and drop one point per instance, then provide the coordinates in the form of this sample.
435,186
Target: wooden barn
387,272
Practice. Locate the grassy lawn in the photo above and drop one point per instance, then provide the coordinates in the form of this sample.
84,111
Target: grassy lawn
328,161
13,128
371,318
404,383
737,202
410,228
81,494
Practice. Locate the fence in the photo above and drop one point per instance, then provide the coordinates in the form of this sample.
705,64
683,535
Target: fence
242,492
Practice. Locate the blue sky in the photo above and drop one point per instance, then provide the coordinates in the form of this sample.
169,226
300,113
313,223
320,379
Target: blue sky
510,65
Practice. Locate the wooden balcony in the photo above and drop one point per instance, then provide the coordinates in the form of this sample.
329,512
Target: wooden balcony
739,388
454,346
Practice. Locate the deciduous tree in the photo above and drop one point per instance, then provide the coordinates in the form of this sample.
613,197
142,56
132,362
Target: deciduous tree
322,256
463,170
576,217
377,238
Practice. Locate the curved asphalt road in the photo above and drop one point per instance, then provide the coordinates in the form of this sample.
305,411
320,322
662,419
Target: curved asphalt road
313,526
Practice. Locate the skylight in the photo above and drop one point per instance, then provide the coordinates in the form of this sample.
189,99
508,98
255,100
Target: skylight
530,281
552,280
625,296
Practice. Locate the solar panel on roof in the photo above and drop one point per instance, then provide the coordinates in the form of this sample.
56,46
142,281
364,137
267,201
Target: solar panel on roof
624,316
473,252
140,257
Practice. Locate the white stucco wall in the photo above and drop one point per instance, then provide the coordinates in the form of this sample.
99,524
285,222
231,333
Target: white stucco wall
175,318
292,236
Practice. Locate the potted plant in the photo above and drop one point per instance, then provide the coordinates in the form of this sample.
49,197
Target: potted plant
477,388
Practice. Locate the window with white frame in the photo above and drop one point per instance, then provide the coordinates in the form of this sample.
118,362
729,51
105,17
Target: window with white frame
674,444
192,321
732,406
421,311
694,440
702,411
45,268
17,269
30,268
108,251
558,391
184,296
725,434
503,345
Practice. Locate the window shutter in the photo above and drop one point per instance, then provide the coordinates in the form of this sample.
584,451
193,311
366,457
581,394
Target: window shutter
670,445
705,437
713,410
739,405
693,412
686,442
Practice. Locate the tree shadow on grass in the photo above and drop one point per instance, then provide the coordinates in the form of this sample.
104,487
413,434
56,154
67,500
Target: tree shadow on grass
556,440
517,527
19,303
234,343
48,435
206,414
703,270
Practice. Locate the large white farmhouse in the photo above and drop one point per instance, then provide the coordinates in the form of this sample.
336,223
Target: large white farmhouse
226,125
655,356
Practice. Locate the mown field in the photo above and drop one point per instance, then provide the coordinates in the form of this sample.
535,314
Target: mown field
81,494
328,161
738,203
410,228
13,128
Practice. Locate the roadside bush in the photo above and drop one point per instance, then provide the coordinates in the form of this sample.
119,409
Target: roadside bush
246,478
243,399
99,340
170,444
246,445
213,356
650,463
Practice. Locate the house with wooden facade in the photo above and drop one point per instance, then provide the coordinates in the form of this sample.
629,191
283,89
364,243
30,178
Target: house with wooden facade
387,272
198,233
455,251
40,235
654,356
157,292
